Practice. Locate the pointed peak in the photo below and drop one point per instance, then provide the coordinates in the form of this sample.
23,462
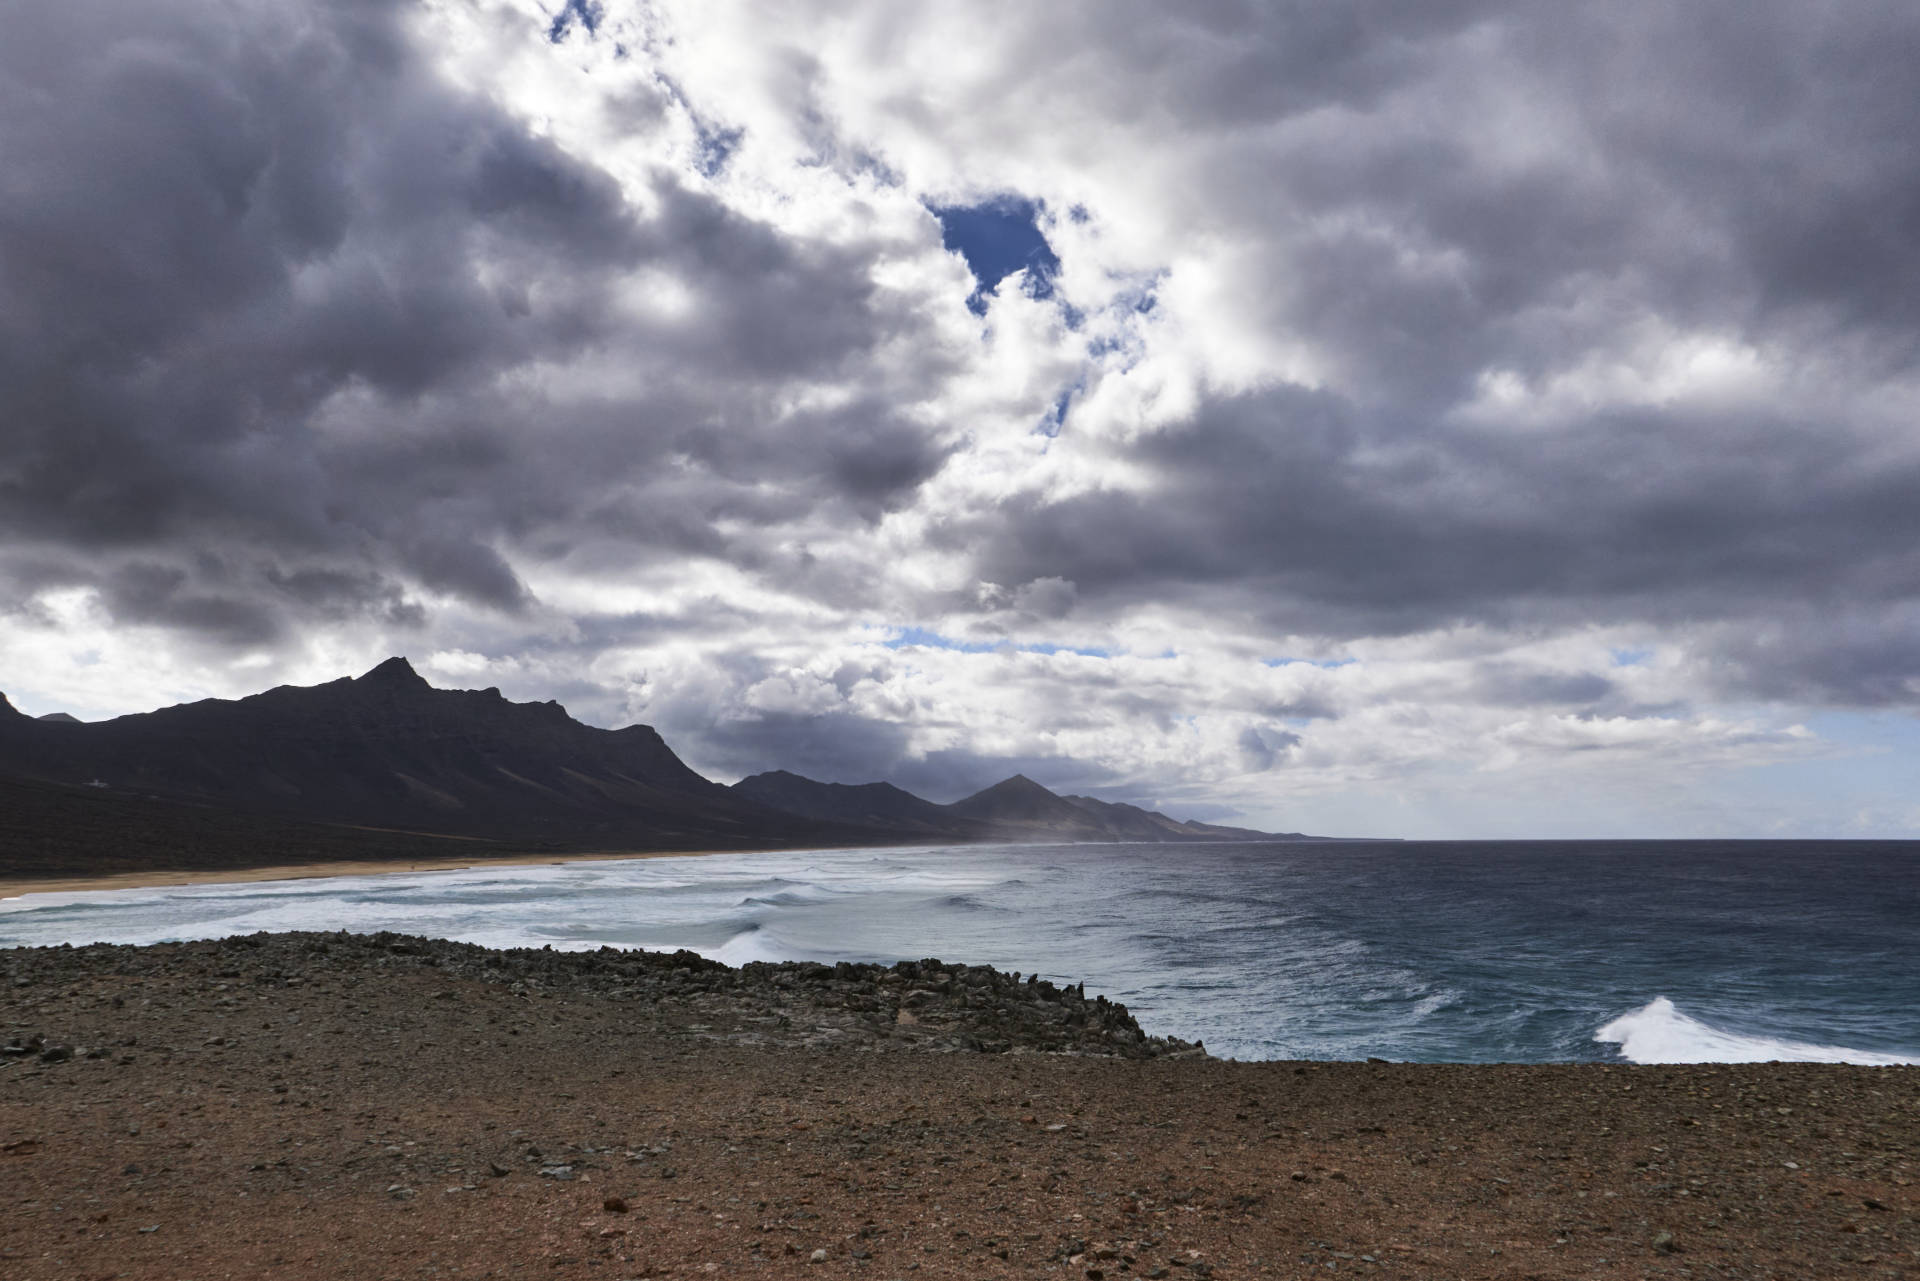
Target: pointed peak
60,718
1017,789
395,673
8,710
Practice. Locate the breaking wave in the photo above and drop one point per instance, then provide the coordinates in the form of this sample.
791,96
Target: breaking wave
753,942
1658,1032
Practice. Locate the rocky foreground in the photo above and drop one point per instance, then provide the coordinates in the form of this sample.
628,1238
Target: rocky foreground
924,1005
348,1106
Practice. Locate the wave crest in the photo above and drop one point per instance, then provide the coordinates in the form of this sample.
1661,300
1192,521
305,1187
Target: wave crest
1658,1032
748,944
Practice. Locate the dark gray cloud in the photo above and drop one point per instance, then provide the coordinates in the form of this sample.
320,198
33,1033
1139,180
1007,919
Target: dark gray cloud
1850,656
1265,747
1325,520
270,287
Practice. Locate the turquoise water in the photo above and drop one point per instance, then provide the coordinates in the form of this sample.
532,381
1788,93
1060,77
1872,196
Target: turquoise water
1425,951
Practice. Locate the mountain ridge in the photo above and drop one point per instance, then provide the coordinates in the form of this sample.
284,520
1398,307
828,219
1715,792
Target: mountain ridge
387,751
879,803
1014,809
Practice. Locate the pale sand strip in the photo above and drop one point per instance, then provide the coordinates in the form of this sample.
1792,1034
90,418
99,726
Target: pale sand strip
11,888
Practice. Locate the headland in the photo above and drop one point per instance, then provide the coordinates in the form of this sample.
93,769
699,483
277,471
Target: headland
382,1106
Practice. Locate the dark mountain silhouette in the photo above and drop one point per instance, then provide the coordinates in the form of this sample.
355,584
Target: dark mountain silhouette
1125,822
1020,803
387,750
60,718
50,830
387,766
871,804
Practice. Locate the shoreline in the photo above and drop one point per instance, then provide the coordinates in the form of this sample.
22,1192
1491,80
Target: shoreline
16,887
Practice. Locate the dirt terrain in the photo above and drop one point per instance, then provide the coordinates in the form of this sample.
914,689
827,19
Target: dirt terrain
344,1106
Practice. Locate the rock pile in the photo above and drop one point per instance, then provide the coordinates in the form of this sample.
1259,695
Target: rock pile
920,1005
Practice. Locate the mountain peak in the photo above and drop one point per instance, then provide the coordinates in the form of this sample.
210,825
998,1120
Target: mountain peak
395,673
8,711
1017,799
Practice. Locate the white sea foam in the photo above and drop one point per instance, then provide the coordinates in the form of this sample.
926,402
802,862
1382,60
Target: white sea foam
753,943
1437,1001
1658,1032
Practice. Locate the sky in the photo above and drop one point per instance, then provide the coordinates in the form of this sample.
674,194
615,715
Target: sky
1425,418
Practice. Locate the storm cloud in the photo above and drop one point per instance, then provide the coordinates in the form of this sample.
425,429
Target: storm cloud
1315,416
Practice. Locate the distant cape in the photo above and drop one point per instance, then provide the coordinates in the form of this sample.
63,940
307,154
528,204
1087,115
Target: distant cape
1017,809
422,767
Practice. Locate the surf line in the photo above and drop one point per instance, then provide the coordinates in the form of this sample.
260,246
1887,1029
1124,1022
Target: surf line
1658,1032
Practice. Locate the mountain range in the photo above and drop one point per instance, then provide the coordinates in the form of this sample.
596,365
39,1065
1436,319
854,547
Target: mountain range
385,766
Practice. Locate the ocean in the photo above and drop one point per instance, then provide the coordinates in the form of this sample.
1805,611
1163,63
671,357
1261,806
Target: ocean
1475,952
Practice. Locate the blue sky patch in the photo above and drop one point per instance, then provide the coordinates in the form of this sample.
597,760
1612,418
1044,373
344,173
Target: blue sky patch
1328,663
1056,417
907,637
587,13
911,636
997,238
716,148
1084,651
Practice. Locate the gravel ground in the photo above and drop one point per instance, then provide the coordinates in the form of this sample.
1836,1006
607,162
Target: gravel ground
345,1106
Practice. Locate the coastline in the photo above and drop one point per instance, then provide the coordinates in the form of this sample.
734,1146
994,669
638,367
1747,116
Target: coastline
15,887
338,1105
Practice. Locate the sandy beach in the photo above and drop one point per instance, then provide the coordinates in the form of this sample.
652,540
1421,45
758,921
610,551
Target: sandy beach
380,1108
14,887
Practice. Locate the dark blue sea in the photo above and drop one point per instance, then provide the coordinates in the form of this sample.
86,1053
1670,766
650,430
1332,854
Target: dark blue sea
1649,951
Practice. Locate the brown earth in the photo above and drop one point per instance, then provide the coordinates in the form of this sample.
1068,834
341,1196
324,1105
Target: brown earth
333,1106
